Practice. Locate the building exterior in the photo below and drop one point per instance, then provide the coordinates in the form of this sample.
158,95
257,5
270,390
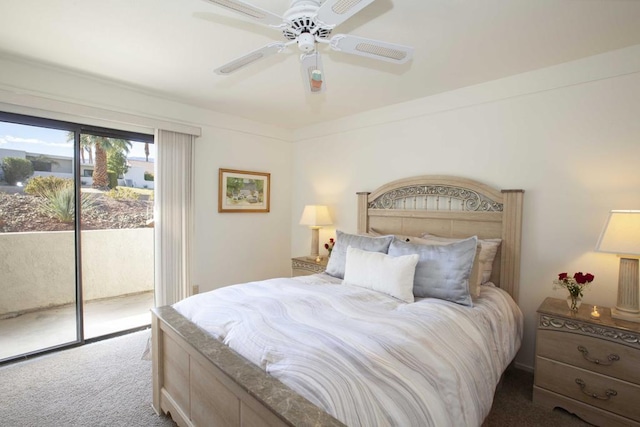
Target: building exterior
62,167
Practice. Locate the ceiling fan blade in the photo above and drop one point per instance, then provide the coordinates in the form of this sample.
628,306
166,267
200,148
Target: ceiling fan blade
376,49
250,58
335,12
248,10
311,64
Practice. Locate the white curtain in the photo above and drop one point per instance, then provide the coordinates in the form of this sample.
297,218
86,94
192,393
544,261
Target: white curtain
173,216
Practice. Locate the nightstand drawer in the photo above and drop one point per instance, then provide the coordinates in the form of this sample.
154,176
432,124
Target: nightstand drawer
619,397
594,354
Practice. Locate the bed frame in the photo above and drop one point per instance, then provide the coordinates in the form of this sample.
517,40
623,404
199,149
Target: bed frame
449,206
197,380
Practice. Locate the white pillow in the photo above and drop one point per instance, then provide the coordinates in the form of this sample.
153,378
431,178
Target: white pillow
380,272
337,260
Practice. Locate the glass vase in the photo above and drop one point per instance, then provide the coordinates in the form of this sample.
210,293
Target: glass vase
574,301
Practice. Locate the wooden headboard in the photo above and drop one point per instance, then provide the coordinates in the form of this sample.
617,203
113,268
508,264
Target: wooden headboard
450,207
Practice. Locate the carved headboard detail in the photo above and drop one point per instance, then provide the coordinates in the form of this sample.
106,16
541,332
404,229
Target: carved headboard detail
450,207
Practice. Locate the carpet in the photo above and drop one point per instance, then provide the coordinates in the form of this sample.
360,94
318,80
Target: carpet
513,406
108,383
105,383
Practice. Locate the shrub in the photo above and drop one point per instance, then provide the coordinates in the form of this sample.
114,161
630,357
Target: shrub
117,162
43,185
113,179
148,176
16,169
60,204
122,193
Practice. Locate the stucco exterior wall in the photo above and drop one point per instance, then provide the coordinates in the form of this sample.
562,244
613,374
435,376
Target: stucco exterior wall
38,269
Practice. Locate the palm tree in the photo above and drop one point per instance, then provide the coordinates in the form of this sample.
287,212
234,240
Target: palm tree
101,145
146,150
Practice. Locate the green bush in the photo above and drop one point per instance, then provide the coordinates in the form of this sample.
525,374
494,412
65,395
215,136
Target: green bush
16,169
113,179
148,176
60,204
122,193
43,185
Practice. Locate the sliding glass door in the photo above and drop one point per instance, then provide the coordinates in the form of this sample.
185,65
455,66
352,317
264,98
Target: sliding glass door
117,233
38,292
76,236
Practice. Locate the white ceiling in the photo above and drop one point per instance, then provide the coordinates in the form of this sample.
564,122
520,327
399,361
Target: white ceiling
170,47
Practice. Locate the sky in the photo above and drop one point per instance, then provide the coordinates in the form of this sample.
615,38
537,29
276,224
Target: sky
40,140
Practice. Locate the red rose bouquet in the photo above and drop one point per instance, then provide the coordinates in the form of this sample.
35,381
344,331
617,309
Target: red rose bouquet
329,246
574,285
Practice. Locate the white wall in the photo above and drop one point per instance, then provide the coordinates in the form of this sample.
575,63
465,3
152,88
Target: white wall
229,248
568,135
239,247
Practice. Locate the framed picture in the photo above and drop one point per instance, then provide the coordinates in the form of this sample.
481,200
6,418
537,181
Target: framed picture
243,191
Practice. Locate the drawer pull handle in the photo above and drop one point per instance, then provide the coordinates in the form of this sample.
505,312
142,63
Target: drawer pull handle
611,358
608,392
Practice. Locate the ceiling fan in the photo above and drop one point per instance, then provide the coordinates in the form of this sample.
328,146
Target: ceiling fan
309,23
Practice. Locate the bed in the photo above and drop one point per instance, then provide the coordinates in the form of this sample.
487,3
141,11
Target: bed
200,380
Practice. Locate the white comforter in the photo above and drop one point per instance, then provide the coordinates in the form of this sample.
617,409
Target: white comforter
364,357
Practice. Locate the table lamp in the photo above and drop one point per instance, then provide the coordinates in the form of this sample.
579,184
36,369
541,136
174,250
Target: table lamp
315,216
621,236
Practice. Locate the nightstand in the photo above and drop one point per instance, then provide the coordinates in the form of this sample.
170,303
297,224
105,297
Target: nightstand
588,367
303,266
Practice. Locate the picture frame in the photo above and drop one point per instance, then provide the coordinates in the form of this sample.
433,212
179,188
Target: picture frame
244,191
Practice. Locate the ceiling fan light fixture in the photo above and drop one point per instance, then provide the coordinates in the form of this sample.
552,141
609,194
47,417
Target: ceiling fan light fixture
309,23
306,42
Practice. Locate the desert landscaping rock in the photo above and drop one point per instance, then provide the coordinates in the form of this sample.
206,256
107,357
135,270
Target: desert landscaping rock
22,212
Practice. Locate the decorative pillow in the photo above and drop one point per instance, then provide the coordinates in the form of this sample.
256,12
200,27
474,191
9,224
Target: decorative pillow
443,270
383,273
475,278
338,257
488,251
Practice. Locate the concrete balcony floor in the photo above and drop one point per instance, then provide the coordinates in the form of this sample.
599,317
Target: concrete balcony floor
55,326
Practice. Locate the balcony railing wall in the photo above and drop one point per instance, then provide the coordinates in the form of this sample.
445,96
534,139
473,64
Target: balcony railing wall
37,269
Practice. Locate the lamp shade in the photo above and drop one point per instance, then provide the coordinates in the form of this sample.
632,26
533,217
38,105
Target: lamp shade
315,216
621,234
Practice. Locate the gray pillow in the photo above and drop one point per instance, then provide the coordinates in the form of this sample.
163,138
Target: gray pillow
338,257
443,270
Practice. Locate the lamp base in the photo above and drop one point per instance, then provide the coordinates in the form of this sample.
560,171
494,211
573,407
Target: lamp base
628,305
315,242
623,315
